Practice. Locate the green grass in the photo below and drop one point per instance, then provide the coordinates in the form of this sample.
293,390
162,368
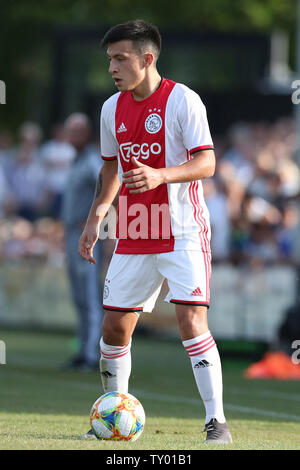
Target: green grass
43,407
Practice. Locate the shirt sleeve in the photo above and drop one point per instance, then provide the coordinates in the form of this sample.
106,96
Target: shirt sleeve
108,142
193,123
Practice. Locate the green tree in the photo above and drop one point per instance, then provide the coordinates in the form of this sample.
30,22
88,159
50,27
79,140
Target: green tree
26,31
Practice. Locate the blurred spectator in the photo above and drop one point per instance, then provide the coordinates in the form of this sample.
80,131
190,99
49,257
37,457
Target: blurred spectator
21,239
233,189
6,142
241,153
26,174
288,232
262,244
6,197
84,277
57,156
260,178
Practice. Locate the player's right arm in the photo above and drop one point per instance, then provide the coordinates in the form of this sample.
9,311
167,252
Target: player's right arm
108,181
107,187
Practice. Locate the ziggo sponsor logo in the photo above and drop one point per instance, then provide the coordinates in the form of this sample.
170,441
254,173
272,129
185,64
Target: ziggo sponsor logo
129,149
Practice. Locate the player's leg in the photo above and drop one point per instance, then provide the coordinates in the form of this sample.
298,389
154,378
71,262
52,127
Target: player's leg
204,356
115,348
192,320
188,275
206,365
132,285
118,326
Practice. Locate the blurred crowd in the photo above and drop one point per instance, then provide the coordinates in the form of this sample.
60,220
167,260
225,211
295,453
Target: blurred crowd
253,197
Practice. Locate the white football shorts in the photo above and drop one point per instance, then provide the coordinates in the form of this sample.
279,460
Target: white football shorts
133,282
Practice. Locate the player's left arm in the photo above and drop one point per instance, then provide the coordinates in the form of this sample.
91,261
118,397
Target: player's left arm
143,177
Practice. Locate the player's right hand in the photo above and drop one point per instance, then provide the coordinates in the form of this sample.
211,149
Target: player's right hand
87,242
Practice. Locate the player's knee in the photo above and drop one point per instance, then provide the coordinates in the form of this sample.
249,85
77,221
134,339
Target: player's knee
192,323
114,333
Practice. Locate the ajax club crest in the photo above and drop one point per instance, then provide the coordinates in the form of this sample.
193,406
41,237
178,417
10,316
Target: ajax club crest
153,123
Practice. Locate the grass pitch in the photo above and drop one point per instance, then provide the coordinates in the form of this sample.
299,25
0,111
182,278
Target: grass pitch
45,408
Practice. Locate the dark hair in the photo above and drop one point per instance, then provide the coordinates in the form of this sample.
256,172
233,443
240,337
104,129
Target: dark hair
139,32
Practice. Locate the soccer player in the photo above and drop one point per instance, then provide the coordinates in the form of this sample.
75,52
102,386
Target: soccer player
156,144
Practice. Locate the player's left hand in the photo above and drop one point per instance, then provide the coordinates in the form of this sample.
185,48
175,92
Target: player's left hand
142,178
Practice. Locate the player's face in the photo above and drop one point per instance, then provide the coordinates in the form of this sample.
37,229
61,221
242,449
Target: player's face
126,65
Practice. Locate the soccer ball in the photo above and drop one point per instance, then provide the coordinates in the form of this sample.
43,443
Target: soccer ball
117,416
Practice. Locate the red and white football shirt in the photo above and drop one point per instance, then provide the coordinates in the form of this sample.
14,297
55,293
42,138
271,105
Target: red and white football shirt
163,130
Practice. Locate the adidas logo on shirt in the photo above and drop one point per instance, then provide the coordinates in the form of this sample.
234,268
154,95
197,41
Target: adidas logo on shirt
202,364
197,291
122,128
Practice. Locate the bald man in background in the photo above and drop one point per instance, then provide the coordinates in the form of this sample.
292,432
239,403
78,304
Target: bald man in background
84,277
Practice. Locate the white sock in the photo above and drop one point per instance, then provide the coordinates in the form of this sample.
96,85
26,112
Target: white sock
207,370
115,367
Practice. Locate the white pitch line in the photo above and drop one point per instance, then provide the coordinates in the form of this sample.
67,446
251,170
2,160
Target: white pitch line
258,411
263,393
168,398
229,406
